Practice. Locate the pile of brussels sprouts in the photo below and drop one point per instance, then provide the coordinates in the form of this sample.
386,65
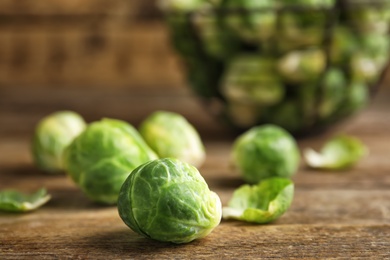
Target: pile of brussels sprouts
151,173
301,64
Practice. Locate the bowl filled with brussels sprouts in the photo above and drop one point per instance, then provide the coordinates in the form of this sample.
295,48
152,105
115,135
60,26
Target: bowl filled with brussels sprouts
303,65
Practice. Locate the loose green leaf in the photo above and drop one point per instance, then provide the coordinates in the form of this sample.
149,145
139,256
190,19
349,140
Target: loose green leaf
261,203
16,201
338,153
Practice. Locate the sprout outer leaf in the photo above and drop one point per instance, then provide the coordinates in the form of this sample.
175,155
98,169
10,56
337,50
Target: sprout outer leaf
16,201
261,203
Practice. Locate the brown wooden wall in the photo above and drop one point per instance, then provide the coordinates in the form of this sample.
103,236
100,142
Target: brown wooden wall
89,43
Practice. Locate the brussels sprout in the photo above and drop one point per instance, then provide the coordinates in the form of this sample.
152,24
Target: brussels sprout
364,68
265,151
369,19
340,152
181,5
52,134
252,79
261,203
213,36
357,97
343,45
302,66
16,201
169,201
308,3
296,30
100,158
171,135
333,91
253,20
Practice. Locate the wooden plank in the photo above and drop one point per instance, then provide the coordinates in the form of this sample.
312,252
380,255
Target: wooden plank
333,215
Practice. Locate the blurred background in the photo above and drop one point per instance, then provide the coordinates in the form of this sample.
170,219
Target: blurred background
100,58
89,44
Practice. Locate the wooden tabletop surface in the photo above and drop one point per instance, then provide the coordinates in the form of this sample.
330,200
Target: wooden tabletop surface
333,215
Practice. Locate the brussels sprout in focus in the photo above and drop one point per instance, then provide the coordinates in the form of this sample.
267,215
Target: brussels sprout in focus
171,135
261,203
169,201
103,155
265,151
338,153
16,201
302,66
252,79
52,135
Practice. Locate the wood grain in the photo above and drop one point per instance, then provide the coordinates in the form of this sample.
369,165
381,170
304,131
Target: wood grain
333,215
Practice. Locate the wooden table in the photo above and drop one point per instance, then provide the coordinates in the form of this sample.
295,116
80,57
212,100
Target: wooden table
333,215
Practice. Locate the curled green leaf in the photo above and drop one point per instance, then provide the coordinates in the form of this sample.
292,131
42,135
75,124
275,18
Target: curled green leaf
260,203
338,153
16,201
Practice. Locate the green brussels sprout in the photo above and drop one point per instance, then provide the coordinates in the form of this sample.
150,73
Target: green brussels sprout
168,200
103,155
302,66
252,79
52,135
365,18
364,68
343,45
357,97
260,203
301,29
170,135
333,91
16,201
213,36
181,5
338,153
251,26
308,3
265,151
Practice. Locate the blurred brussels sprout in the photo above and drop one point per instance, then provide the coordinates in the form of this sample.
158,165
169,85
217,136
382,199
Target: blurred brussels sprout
333,90
368,18
213,36
343,45
170,135
357,97
364,68
297,29
308,3
252,79
302,66
253,20
340,152
261,203
169,201
16,201
265,151
181,5
52,134
100,158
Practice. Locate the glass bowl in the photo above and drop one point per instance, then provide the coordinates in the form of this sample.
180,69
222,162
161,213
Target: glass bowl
303,67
